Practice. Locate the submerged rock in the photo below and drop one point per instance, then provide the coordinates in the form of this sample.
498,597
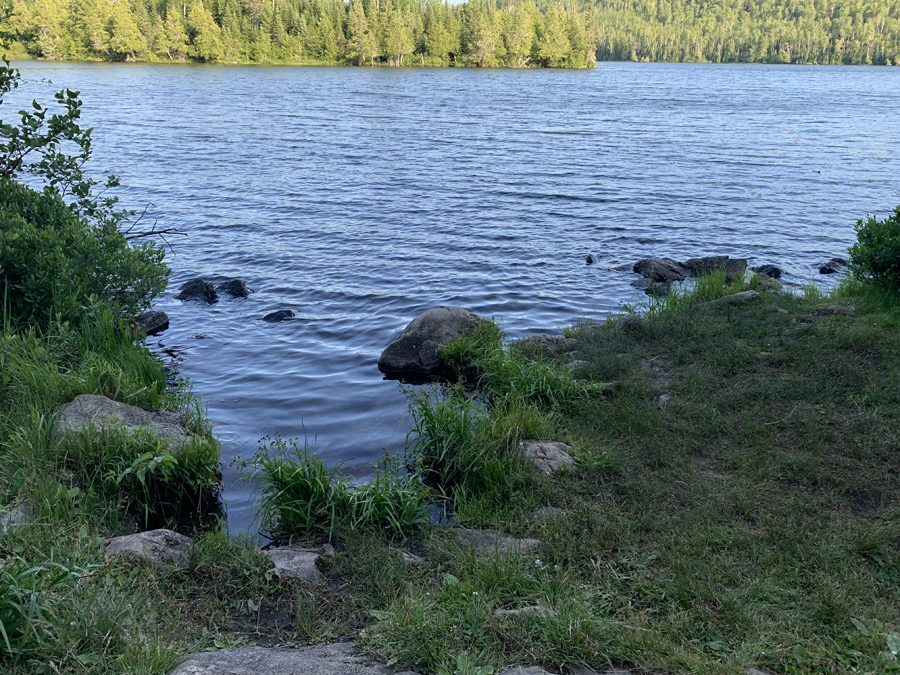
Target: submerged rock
833,266
280,315
236,288
548,457
734,268
89,409
198,289
590,259
772,270
660,269
341,658
418,349
487,542
152,322
158,547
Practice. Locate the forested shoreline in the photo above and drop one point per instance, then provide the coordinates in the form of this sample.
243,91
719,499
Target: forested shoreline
505,33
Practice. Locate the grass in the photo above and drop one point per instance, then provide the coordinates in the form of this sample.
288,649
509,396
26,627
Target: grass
733,504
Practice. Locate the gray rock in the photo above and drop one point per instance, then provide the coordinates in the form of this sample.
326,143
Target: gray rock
159,547
299,562
832,266
418,349
576,364
629,322
408,558
768,282
152,322
524,612
341,658
609,670
743,296
850,310
771,270
88,409
525,670
280,315
547,342
660,269
734,267
624,267
548,512
590,259
235,288
198,289
18,516
664,401
487,542
547,456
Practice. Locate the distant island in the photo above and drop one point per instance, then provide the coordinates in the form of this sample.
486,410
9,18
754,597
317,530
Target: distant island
504,34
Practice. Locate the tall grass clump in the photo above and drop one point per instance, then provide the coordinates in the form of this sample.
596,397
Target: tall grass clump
300,496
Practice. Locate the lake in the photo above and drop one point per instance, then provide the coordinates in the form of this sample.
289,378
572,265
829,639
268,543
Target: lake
361,197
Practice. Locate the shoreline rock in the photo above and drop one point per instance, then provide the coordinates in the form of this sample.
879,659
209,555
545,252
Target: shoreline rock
152,322
158,547
418,349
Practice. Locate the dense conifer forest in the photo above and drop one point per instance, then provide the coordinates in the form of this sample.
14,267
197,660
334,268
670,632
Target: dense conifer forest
505,33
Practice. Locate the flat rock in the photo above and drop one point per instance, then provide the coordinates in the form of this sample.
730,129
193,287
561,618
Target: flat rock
299,562
525,670
524,612
280,315
547,341
198,289
88,409
628,322
548,457
660,269
838,309
18,516
406,557
743,296
418,349
492,541
734,268
159,547
341,658
236,288
576,364
152,322
771,270
548,512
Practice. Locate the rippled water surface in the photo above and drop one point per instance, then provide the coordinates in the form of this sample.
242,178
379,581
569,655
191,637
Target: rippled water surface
361,197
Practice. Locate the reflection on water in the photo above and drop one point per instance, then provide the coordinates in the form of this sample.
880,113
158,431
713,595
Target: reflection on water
360,197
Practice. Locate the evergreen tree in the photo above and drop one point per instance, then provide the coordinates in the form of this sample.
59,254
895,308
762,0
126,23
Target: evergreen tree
125,39
206,36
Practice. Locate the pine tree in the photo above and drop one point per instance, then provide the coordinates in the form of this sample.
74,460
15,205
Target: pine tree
206,36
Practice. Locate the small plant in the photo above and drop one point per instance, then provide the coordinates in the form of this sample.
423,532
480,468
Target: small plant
301,496
875,256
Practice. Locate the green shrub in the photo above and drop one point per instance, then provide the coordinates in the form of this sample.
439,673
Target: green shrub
54,264
301,496
876,254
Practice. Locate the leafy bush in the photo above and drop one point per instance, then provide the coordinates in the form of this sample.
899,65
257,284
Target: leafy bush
300,496
62,249
876,254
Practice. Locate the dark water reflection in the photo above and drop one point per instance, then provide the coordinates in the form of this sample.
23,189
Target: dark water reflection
360,197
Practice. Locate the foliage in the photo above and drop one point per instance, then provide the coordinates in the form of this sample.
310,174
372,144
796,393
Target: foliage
301,496
22,605
876,254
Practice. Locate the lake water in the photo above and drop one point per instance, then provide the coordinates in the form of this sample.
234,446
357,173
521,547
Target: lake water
361,197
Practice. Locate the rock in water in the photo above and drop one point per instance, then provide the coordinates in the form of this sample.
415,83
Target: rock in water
734,267
198,289
772,270
341,658
153,322
235,288
590,259
832,266
158,547
280,315
88,409
418,349
660,269
547,456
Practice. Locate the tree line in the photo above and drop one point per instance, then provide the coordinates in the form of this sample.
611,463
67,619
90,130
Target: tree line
480,33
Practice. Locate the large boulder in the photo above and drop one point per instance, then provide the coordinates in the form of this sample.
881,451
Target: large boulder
734,268
158,547
198,289
341,658
91,410
152,322
660,269
418,349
